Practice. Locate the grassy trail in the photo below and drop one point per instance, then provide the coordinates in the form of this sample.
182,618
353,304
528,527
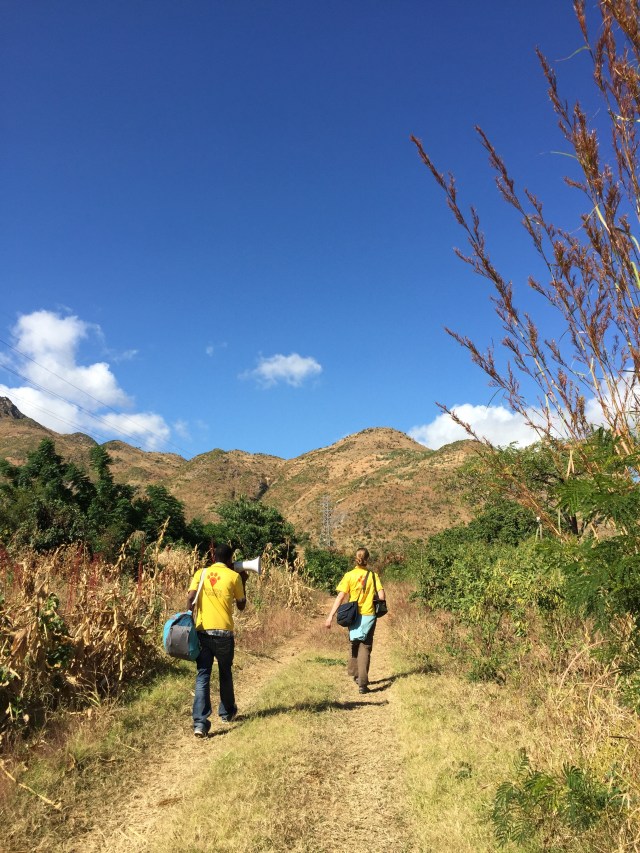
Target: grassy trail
310,765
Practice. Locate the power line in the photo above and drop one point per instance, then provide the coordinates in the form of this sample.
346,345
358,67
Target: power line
90,414
131,436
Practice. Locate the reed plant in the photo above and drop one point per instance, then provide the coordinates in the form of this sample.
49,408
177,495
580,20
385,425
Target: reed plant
578,391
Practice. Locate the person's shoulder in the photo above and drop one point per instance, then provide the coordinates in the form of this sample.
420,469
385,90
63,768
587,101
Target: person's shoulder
195,578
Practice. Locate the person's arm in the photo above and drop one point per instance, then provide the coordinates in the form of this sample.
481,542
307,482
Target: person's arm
381,594
334,608
241,603
191,597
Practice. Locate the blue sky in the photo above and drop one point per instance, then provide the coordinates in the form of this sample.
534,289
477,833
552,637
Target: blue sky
215,231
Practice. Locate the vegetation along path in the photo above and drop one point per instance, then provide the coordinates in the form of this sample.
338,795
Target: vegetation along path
311,765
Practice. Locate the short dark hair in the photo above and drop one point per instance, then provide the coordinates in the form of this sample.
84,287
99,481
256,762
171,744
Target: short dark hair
223,553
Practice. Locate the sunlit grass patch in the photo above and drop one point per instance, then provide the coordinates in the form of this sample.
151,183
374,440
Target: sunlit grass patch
269,777
324,661
86,758
458,741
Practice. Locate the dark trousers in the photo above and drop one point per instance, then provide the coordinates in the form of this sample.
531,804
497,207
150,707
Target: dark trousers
358,666
222,649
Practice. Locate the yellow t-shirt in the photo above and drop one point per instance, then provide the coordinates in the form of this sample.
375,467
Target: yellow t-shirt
222,586
352,583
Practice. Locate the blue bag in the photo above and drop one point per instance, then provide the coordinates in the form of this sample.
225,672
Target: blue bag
180,638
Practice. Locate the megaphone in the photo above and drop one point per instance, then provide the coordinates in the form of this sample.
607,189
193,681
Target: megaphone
248,565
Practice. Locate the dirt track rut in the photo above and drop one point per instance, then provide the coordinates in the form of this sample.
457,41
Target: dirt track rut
357,799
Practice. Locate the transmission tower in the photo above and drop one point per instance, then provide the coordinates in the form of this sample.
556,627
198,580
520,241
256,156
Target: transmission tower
326,530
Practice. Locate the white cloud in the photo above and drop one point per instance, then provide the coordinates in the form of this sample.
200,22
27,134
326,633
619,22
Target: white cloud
69,396
127,355
293,369
210,349
181,428
50,343
495,423
146,426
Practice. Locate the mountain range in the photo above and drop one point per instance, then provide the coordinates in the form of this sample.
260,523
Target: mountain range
377,487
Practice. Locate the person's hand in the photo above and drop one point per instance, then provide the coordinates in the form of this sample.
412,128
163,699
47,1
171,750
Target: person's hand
244,574
329,622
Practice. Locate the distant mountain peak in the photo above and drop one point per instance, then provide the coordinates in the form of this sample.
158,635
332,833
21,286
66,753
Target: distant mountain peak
8,410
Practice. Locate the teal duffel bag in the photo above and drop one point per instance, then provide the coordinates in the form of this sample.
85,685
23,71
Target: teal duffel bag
180,638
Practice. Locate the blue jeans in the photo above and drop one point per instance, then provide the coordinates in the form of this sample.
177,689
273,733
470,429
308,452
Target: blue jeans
220,648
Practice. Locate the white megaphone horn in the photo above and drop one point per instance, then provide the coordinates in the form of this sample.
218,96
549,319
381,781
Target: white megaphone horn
248,565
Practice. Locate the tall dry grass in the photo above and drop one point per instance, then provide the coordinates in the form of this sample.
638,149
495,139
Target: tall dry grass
277,602
75,629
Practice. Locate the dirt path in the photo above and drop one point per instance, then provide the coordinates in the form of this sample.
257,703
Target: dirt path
356,794
127,824
361,801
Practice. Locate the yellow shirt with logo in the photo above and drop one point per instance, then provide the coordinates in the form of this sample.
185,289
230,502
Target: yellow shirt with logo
222,586
352,584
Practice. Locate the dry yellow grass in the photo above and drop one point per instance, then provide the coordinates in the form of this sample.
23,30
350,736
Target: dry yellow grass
569,716
311,766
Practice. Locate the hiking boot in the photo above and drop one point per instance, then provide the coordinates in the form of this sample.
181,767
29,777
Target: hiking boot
199,732
363,689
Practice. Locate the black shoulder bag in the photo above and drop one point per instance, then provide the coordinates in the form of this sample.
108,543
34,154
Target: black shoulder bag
347,613
379,604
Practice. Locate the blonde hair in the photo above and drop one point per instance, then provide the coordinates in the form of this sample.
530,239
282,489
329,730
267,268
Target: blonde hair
362,557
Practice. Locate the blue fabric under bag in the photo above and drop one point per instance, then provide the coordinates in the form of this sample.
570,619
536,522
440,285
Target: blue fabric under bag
180,638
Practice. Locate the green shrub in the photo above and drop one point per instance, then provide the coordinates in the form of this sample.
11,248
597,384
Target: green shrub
543,806
325,567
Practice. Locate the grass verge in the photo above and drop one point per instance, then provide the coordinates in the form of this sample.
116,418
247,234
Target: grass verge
261,794
84,759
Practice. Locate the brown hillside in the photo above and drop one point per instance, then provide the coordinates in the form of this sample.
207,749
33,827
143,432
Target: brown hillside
382,486
211,478
19,435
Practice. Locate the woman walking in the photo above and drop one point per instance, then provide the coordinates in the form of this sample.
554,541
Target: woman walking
360,584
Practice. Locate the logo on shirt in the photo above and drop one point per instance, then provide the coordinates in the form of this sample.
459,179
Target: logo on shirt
213,578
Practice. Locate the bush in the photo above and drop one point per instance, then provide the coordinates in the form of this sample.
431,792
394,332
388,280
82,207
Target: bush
325,567
544,806
249,526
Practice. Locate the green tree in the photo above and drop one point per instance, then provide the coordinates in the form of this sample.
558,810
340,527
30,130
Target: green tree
158,507
49,502
43,502
250,525
111,513
325,567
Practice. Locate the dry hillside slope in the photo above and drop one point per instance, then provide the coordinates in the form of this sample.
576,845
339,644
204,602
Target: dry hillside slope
382,486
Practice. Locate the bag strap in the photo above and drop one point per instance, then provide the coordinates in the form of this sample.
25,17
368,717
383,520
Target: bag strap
194,606
375,586
364,585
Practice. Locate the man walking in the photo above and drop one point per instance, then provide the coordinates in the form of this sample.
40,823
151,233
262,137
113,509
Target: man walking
214,623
